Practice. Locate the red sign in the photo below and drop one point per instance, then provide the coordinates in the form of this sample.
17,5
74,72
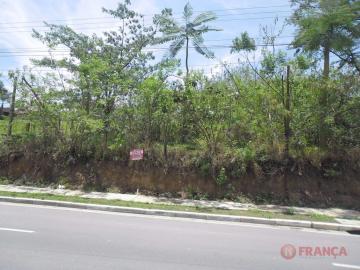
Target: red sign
137,154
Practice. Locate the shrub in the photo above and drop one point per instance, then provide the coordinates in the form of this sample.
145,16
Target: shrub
221,179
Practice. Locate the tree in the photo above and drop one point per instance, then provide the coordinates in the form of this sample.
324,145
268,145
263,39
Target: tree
327,26
181,35
243,43
107,70
272,64
156,113
211,108
330,26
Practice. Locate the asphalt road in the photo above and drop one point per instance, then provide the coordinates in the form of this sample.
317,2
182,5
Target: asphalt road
35,237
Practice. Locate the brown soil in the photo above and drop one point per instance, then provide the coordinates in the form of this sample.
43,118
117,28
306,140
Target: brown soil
302,185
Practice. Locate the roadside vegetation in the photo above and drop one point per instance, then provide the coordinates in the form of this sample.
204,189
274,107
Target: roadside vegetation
208,210
297,106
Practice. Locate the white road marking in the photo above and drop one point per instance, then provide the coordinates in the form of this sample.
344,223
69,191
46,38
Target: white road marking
349,266
15,230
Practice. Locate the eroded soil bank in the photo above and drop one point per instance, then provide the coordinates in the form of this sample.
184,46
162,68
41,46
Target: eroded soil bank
292,184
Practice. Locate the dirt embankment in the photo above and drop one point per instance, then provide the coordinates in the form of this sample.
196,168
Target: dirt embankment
295,184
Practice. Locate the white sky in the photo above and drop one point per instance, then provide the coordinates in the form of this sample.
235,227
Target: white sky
18,17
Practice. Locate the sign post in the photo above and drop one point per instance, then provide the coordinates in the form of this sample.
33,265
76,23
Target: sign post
137,154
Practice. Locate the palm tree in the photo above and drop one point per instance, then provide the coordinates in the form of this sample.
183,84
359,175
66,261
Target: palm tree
181,35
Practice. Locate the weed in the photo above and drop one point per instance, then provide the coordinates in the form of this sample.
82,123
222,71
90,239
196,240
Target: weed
289,211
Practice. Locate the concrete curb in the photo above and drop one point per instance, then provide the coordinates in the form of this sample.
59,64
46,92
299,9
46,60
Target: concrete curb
166,213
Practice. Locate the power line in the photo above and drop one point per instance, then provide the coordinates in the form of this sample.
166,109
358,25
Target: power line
244,8
104,27
112,21
38,49
154,49
215,65
107,17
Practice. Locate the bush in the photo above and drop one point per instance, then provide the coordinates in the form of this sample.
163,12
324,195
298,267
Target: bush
221,179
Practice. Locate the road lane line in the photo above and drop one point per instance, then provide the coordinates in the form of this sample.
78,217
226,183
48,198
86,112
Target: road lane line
349,266
15,230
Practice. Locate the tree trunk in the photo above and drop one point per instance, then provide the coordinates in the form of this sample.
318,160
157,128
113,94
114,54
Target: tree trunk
323,132
87,103
185,128
287,130
326,71
87,97
165,139
165,149
27,127
106,137
12,107
187,57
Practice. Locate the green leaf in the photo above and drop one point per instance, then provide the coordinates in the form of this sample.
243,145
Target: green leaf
188,11
204,17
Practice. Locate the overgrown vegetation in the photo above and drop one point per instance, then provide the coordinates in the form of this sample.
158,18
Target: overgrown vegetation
109,95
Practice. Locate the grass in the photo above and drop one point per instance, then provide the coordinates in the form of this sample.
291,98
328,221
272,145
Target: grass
249,213
19,125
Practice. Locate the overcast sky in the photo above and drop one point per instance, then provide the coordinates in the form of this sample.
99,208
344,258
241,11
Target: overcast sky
18,17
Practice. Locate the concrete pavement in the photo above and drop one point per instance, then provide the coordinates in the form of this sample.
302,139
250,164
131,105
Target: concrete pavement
183,214
40,237
333,212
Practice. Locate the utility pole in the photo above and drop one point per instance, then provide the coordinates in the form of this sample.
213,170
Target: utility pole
323,129
287,105
287,131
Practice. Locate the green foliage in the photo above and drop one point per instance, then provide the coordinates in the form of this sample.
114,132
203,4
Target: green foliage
221,179
273,63
180,35
289,211
114,97
243,43
332,24
4,95
332,173
5,181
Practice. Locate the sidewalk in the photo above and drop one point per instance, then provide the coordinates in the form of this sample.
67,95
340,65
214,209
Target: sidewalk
343,216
